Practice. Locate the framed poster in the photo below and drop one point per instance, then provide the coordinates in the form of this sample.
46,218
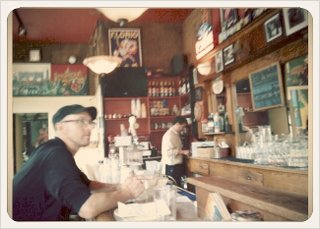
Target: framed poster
69,79
273,28
298,105
294,19
296,71
266,88
126,44
29,79
228,18
228,55
44,79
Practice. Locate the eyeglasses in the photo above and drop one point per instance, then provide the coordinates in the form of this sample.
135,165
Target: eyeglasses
82,122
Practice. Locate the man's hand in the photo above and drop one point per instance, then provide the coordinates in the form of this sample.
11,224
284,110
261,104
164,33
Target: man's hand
133,185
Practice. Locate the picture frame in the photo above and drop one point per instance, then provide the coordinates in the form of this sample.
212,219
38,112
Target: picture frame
35,55
198,93
126,44
45,79
273,28
27,78
298,107
266,87
69,80
228,55
295,19
219,62
296,71
228,18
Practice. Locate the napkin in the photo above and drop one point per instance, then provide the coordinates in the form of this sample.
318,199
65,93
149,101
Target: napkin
147,210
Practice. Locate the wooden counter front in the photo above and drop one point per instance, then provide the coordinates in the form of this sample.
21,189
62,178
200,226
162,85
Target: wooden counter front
274,205
294,181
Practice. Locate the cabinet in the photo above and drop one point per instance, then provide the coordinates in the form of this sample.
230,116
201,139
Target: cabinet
273,191
167,98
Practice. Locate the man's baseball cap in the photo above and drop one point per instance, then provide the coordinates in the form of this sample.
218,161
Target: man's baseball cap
73,109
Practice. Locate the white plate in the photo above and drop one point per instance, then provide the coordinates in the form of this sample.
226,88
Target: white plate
217,86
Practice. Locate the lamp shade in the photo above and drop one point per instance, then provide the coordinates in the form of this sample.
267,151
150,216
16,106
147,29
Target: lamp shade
119,14
102,64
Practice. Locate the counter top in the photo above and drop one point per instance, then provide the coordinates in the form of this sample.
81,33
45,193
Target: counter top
249,163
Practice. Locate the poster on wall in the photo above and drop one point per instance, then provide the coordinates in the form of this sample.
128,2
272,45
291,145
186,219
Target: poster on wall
69,79
45,79
126,44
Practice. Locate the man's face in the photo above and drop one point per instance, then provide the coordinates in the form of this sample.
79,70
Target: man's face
77,128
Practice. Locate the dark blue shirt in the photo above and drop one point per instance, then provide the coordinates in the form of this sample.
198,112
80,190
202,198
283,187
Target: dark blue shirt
49,185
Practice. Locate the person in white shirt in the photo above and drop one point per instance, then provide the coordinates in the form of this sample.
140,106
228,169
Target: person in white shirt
172,152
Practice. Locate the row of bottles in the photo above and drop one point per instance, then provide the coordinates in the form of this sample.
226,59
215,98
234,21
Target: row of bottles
216,123
162,88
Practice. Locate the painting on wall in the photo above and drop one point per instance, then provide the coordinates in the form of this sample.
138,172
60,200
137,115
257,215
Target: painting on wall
126,44
45,79
69,79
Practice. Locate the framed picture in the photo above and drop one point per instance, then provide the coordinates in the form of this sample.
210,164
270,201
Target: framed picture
298,106
198,93
126,44
28,78
266,87
219,61
273,28
296,71
294,19
228,55
69,79
228,18
45,79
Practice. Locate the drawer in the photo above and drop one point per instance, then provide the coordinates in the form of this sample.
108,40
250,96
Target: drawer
199,167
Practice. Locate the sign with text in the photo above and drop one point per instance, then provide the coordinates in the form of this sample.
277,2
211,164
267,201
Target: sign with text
205,40
266,88
126,44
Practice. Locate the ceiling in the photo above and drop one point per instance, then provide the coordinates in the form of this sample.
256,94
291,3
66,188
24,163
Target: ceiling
76,25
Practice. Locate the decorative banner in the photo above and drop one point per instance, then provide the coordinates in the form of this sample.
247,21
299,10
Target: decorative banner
126,44
205,40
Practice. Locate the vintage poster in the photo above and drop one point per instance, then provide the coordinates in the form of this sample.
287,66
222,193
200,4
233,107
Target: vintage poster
69,79
126,44
45,79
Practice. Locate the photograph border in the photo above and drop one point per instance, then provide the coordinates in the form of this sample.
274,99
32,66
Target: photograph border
274,18
226,49
291,30
219,59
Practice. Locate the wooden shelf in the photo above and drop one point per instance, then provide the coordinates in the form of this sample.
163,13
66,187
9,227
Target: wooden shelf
163,117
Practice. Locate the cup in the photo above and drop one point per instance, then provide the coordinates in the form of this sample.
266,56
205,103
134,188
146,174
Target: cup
165,201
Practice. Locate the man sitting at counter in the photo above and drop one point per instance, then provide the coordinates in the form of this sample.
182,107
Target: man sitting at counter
50,186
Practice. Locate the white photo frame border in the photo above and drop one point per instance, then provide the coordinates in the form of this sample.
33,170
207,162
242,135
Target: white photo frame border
231,59
295,28
219,62
272,20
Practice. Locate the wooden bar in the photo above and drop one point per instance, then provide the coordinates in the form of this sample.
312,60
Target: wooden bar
277,205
